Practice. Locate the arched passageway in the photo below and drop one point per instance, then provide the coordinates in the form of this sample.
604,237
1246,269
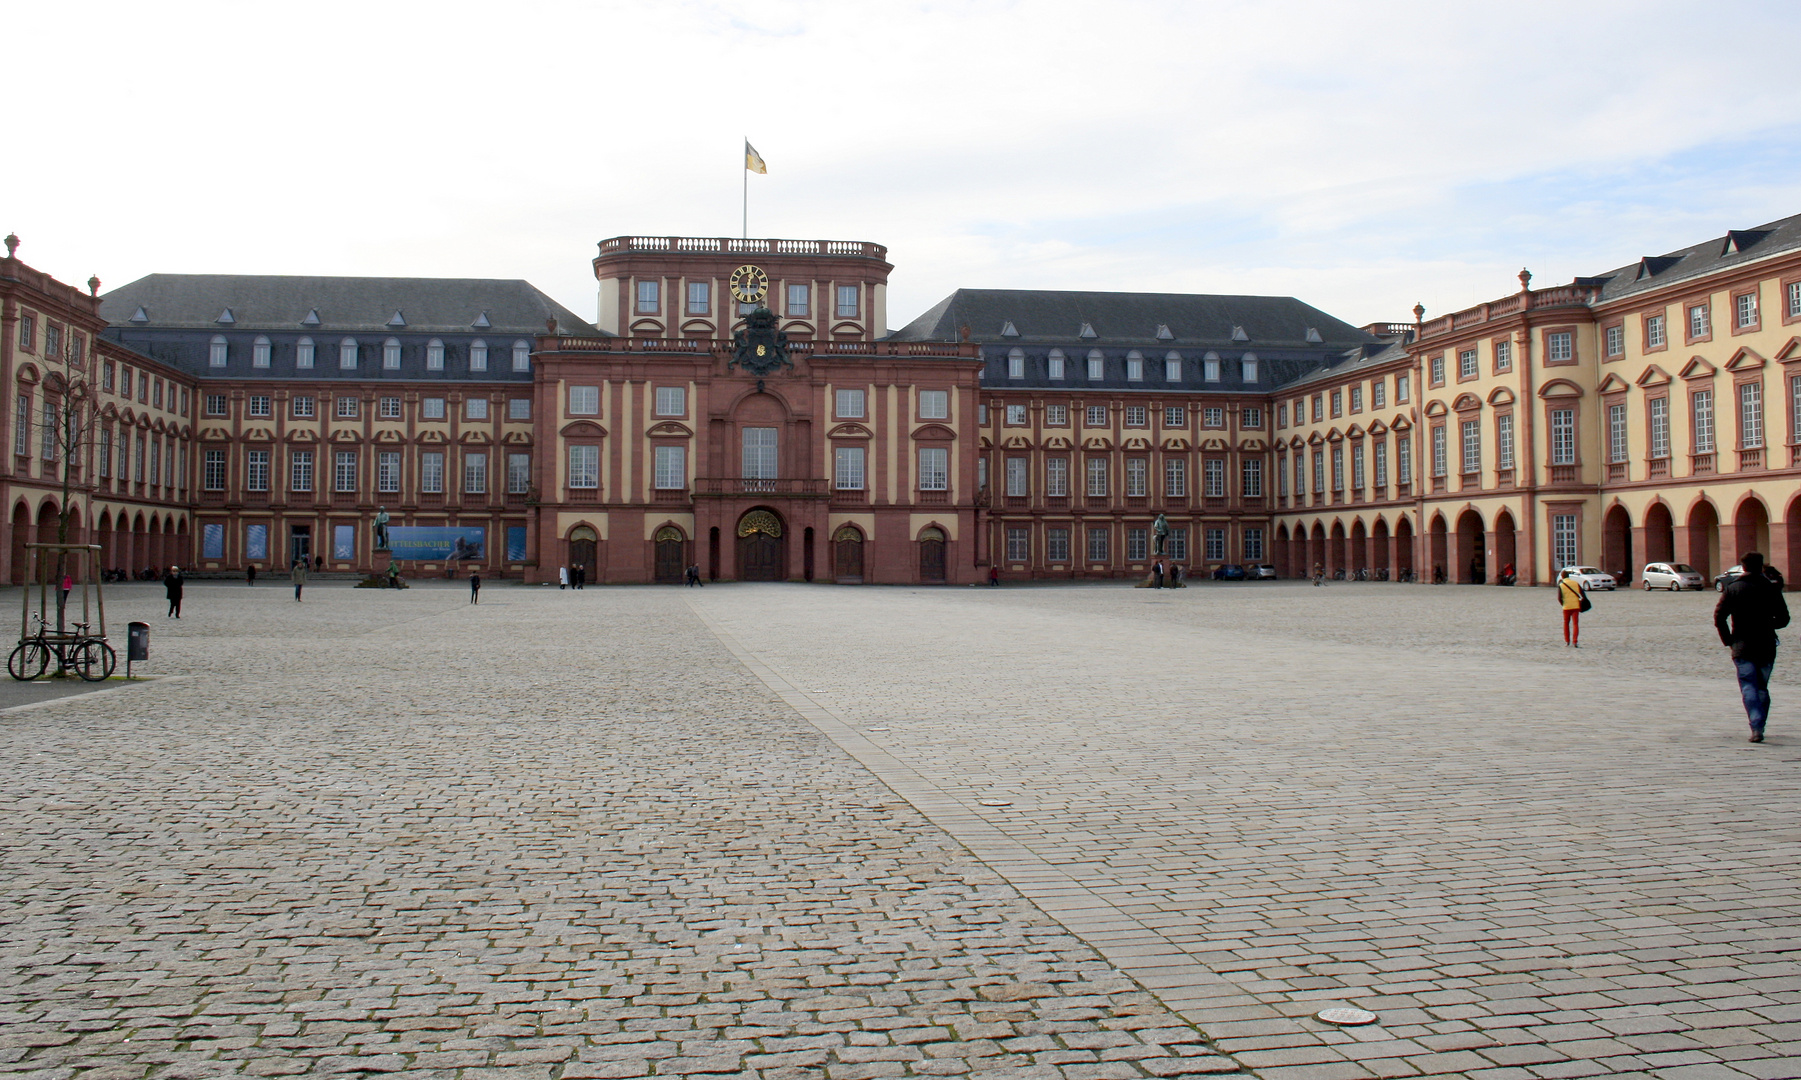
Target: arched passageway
1660,534
1378,546
1404,553
1316,549
1335,549
1506,545
1438,553
1279,554
1470,566
1699,542
1616,544
1750,530
1359,555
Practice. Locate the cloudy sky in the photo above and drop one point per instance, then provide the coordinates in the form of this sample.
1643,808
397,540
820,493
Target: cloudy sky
1360,155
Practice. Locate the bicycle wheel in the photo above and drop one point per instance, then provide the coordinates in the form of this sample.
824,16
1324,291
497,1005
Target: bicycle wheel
92,660
109,659
28,661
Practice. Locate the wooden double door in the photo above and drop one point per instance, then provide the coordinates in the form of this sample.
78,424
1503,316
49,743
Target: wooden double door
762,557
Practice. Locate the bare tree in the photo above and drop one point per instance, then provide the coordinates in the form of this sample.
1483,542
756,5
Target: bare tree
67,424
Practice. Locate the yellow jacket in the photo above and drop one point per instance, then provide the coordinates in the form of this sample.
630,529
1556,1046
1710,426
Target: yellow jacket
1569,590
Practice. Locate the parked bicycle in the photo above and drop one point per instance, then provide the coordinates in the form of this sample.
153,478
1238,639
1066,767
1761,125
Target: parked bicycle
79,652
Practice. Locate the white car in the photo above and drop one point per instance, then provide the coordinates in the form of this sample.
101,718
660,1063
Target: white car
1592,578
1673,576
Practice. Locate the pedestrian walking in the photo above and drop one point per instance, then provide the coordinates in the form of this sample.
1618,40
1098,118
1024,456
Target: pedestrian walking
1319,575
1572,596
250,575
693,574
63,589
298,573
1157,574
1750,611
475,587
994,576
172,583
581,575
562,578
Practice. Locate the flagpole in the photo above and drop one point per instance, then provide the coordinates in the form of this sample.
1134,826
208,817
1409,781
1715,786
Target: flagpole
746,167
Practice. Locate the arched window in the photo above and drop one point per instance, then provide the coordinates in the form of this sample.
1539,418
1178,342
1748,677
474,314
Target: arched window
216,356
303,353
1248,367
1135,366
347,354
478,355
1172,367
259,352
1097,366
1016,364
434,355
390,354
1056,364
522,355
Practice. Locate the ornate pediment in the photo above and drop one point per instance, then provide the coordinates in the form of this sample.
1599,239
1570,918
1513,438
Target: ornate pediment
302,435
850,431
1560,388
669,429
1613,384
517,438
1355,431
1790,351
251,434
934,433
346,435
1653,376
1016,442
1058,442
1436,408
1501,396
1400,423
207,434
431,437
1135,442
29,374
1377,427
697,328
1697,368
1745,359
1213,443
1251,446
1175,443
985,443
1097,442
1467,403
647,328
474,438
583,429
389,435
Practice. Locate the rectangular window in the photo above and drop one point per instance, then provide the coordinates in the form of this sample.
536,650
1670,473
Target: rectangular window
1319,407
304,353
936,405
1018,545
1137,477
1056,545
1337,403
1504,441
850,404
648,298
1213,417
1281,416
1319,471
1338,468
1794,399
848,471
434,355
300,471
671,468
478,356
390,356
519,473
1563,436
1356,466
1097,545
1054,365
346,408
256,470
1136,416
1247,369
1381,465
105,452
1172,370
1655,337
106,376
217,354
1216,545
1056,476
1466,364
584,467
1250,417
212,471
347,354
303,406
1016,364
1138,545
1439,453
1213,478
1210,370
518,408
1175,416
27,333
700,297
1056,416
583,401
344,474
1560,347
431,472
1134,369
1175,477
1017,482
215,404
982,415
1472,446
431,408
1402,382
1438,370
138,465
1616,341
1097,367
475,408
1253,545
1750,416
760,448
1300,475
1016,415
1251,476
387,471
934,468
1616,433
390,408
1563,540
1357,399
475,474
800,300
1404,459
49,431
1697,321
1503,356
847,301
1660,427
1702,411
1097,416
1794,299
1097,477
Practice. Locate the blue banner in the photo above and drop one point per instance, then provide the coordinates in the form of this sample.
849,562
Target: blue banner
256,542
343,542
438,542
212,541
515,543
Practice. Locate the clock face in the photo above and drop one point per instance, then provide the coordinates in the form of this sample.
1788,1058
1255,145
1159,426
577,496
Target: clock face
749,284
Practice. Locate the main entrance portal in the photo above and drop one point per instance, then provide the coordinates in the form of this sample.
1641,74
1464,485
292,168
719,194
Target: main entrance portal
762,549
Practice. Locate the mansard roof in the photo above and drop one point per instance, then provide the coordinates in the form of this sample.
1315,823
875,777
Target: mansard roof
1708,257
1351,360
1151,320
344,304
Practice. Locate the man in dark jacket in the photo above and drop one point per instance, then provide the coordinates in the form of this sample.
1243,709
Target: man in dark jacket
172,583
1750,612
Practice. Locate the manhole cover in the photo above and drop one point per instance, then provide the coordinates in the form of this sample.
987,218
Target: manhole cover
997,802
1346,1017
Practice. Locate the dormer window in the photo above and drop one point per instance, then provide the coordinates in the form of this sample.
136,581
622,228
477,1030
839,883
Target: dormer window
522,355
397,319
434,355
390,354
217,354
1248,367
1238,334
1134,366
140,315
1016,364
1172,367
303,353
1055,363
478,355
1210,367
1163,333
225,318
347,354
1008,329
312,318
481,321
259,352
1087,331
1097,365
1313,337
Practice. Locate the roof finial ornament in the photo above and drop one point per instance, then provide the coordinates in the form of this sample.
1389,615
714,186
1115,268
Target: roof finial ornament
550,327
94,285
12,244
1525,280
963,332
1419,313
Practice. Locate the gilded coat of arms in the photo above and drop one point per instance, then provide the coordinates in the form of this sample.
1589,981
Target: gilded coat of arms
758,346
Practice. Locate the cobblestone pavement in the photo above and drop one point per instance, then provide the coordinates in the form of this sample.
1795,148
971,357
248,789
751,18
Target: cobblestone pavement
557,835
1261,799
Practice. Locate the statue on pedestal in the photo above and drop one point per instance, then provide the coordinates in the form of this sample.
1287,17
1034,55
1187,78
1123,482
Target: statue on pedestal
381,528
1160,527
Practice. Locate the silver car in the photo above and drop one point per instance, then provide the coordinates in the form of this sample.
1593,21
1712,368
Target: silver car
1673,576
1592,577
1260,572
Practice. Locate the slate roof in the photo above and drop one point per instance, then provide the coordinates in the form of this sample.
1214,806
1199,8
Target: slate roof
346,304
1126,318
1707,257
1352,360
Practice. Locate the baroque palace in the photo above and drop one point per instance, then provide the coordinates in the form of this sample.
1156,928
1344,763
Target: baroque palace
741,406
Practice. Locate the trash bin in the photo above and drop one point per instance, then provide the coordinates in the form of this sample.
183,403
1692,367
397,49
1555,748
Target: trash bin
137,644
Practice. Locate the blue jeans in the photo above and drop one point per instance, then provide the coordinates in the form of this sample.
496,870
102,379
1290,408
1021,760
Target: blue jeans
1754,687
